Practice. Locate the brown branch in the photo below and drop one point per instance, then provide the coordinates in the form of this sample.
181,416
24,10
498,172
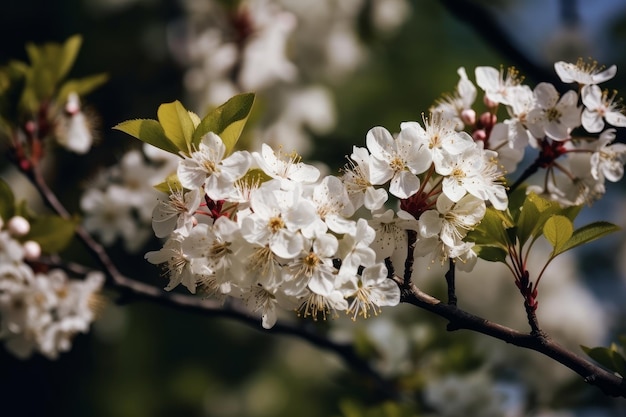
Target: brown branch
609,383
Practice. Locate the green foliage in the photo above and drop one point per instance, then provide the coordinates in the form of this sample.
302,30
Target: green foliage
227,121
171,183
179,130
528,219
7,201
53,233
610,357
26,87
149,131
177,125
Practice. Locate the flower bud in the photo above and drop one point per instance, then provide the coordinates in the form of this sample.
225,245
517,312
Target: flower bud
488,120
468,116
18,226
479,135
32,250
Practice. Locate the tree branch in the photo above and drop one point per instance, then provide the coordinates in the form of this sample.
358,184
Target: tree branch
609,383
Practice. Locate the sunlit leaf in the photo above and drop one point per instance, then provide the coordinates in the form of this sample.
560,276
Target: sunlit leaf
170,184
149,131
557,230
227,121
177,124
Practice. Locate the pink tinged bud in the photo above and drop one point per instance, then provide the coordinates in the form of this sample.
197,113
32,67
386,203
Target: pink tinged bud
32,250
468,116
488,120
479,135
18,226
30,127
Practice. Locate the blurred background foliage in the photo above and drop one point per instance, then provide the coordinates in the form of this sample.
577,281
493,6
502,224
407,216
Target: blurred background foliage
147,360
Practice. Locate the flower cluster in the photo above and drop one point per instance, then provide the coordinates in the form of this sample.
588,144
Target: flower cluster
268,229
264,227
40,311
569,127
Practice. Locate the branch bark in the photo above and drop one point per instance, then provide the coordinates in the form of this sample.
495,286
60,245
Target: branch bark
609,383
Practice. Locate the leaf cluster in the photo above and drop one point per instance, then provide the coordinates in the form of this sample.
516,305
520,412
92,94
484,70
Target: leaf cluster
26,87
180,131
528,218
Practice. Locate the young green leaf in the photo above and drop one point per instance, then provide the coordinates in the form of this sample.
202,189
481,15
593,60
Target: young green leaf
609,357
149,131
177,124
67,56
527,221
53,233
227,121
81,86
492,230
558,230
170,184
588,233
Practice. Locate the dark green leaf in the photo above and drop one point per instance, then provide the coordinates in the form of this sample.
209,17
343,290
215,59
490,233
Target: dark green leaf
53,233
491,253
7,201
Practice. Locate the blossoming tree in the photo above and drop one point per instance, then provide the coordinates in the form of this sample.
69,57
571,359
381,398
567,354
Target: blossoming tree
487,174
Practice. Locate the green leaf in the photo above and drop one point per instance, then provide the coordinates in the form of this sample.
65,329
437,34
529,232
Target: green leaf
492,230
609,357
149,131
7,201
53,233
527,221
170,184
558,230
227,121
588,233
67,56
82,86
177,124
491,253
